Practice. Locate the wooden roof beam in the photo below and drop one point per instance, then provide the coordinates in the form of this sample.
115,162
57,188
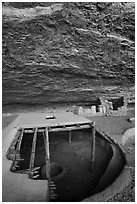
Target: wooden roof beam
60,128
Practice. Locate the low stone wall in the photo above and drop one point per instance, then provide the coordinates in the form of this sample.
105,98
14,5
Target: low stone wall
104,109
87,112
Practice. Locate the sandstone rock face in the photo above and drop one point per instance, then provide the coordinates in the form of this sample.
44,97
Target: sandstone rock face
67,52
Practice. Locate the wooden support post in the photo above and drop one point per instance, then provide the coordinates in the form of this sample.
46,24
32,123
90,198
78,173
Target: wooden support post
16,156
12,151
93,139
19,141
32,158
70,136
46,140
51,184
16,138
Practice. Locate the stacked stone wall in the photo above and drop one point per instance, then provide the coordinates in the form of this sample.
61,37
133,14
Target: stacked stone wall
104,109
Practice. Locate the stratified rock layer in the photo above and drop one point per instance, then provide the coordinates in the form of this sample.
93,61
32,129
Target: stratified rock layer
67,52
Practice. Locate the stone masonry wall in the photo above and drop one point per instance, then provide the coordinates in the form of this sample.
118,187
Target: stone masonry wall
104,109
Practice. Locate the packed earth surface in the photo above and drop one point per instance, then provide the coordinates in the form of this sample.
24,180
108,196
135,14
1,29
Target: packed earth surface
123,188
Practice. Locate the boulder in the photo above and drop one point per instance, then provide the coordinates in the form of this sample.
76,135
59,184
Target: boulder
131,119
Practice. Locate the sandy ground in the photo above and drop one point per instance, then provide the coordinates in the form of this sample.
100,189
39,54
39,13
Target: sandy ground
115,127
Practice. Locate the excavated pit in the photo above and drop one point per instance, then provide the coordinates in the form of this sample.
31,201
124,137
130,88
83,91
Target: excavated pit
56,171
71,163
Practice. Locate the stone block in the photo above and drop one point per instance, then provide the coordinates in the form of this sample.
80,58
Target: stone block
100,109
93,110
120,109
87,112
80,111
75,109
103,109
98,114
110,105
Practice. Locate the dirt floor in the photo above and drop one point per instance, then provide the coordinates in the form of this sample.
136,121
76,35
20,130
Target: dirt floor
115,127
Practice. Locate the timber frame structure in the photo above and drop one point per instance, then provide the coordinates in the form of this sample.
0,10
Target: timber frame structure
13,152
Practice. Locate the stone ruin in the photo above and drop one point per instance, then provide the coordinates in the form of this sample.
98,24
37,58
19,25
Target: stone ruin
103,107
